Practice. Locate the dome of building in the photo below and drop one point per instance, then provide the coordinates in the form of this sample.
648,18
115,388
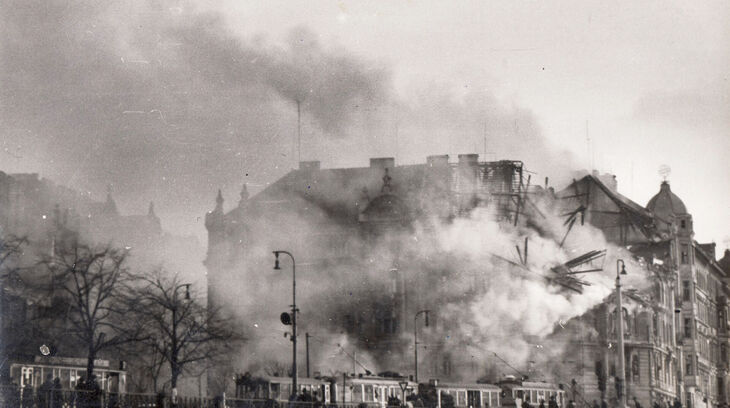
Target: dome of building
666,203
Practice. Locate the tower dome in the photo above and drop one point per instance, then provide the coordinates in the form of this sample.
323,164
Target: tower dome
666,203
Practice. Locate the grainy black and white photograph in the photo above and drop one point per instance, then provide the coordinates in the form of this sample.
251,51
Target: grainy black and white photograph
364,204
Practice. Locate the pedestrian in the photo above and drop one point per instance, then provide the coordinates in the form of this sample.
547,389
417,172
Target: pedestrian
542,403
552,403
656,405
27,397
676,404
44,392
94,391
604,404
13,400
82,396
636,403
526,402
57,394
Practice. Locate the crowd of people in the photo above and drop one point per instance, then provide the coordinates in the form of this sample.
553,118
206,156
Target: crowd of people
50,394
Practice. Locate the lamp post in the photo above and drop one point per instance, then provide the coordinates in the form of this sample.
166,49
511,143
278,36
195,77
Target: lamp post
294,311
415,336
174,350
620,311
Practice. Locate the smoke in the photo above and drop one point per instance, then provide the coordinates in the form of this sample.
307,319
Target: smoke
488,315
166,103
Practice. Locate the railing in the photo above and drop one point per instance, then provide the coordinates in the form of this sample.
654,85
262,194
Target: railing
16,397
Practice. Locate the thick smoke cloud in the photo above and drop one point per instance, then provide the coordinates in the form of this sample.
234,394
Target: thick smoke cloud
165,103
162,101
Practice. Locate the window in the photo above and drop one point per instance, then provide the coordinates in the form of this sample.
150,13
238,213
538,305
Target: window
685,254
686,291
683,224
687,327
635,369
688,367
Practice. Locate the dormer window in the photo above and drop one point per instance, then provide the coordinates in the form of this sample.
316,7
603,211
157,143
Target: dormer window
683,224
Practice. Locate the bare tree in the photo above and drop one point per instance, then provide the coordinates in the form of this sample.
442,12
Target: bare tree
93,281
11,249
180,330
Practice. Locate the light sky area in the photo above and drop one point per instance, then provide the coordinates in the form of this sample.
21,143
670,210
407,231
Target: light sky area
169,100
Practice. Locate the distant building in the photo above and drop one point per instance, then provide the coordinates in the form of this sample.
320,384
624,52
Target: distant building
49,215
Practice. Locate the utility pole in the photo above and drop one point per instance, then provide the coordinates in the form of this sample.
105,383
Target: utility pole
621,375
307,336
299,132
294,310
415,337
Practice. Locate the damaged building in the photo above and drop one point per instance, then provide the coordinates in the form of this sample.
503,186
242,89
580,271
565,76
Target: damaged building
356,234
675,333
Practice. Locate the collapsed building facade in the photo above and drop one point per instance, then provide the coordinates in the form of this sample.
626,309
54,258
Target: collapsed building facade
351,222
675,333
342,224
358,236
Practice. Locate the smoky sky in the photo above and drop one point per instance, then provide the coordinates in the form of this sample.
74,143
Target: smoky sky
165,103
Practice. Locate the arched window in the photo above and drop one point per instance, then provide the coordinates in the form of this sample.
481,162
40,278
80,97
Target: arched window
612,318
635,368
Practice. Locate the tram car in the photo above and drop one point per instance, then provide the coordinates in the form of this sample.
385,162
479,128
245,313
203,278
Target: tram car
273,388
33,373
370,390
466,395
515,391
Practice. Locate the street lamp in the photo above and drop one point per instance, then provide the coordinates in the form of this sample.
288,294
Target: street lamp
294,310
415,335
620,311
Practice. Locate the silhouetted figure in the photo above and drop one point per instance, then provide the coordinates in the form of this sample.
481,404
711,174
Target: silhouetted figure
604,404
81,394
636,403
160,400
44,392
94,392
27,398
526,403
552,403
13,396
676,404
542,403
57,394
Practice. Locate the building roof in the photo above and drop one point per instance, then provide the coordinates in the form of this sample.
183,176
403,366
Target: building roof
724,262
634,213
666,203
